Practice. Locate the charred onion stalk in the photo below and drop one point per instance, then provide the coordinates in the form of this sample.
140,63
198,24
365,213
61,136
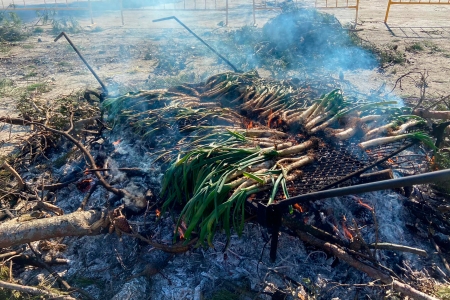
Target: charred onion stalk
217,179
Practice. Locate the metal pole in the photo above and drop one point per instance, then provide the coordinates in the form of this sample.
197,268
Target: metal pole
387,11
121,11
443,175
254,16
105,90
226,13
200,39
90,12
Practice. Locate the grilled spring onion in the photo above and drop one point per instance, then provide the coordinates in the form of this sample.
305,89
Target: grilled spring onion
402,128
300,116
206,187
378,130
421,136
371,118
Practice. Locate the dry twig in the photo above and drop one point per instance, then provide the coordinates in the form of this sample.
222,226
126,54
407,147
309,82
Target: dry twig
33,290
376,274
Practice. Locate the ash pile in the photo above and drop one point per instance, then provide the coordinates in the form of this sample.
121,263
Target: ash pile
176,193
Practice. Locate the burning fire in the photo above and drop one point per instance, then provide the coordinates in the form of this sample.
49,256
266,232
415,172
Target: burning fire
182,229
158,213
347,232
117,142
250,125
365,205
297,207
181,233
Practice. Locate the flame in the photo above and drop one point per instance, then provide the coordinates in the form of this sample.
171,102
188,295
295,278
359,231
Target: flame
269,119
347,232
365,205
250,125
158,213
116,142
390,161
297,207
181,232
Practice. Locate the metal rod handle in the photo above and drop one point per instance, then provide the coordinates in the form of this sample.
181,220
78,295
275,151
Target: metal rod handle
200,39
443,175
105,90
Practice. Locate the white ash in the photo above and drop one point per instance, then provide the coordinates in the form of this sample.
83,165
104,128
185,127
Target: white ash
103,265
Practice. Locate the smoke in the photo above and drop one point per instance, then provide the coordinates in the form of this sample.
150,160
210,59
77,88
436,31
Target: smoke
314,40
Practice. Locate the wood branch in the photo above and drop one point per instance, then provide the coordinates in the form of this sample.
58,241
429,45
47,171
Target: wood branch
178,248
14,121
21,183
32,290
75,224
432,114
137,202
50,207
395,247
374,273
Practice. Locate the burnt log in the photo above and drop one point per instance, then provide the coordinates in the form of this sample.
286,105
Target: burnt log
79,223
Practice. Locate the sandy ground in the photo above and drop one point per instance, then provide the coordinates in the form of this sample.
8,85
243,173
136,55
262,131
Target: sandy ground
122,55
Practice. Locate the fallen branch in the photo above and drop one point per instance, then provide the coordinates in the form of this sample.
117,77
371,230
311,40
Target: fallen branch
180,247
376,274
32,290
21,183
120,192
50,207
14,121
395,247
75,224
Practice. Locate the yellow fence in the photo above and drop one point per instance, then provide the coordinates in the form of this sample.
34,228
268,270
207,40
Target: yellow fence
184,5
412,2
339,4
319,4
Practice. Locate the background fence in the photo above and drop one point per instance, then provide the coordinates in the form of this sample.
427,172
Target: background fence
319,4
413,2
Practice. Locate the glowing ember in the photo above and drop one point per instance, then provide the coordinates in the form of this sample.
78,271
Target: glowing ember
347,232
116,142
365,205
158,213
181,233
297,207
